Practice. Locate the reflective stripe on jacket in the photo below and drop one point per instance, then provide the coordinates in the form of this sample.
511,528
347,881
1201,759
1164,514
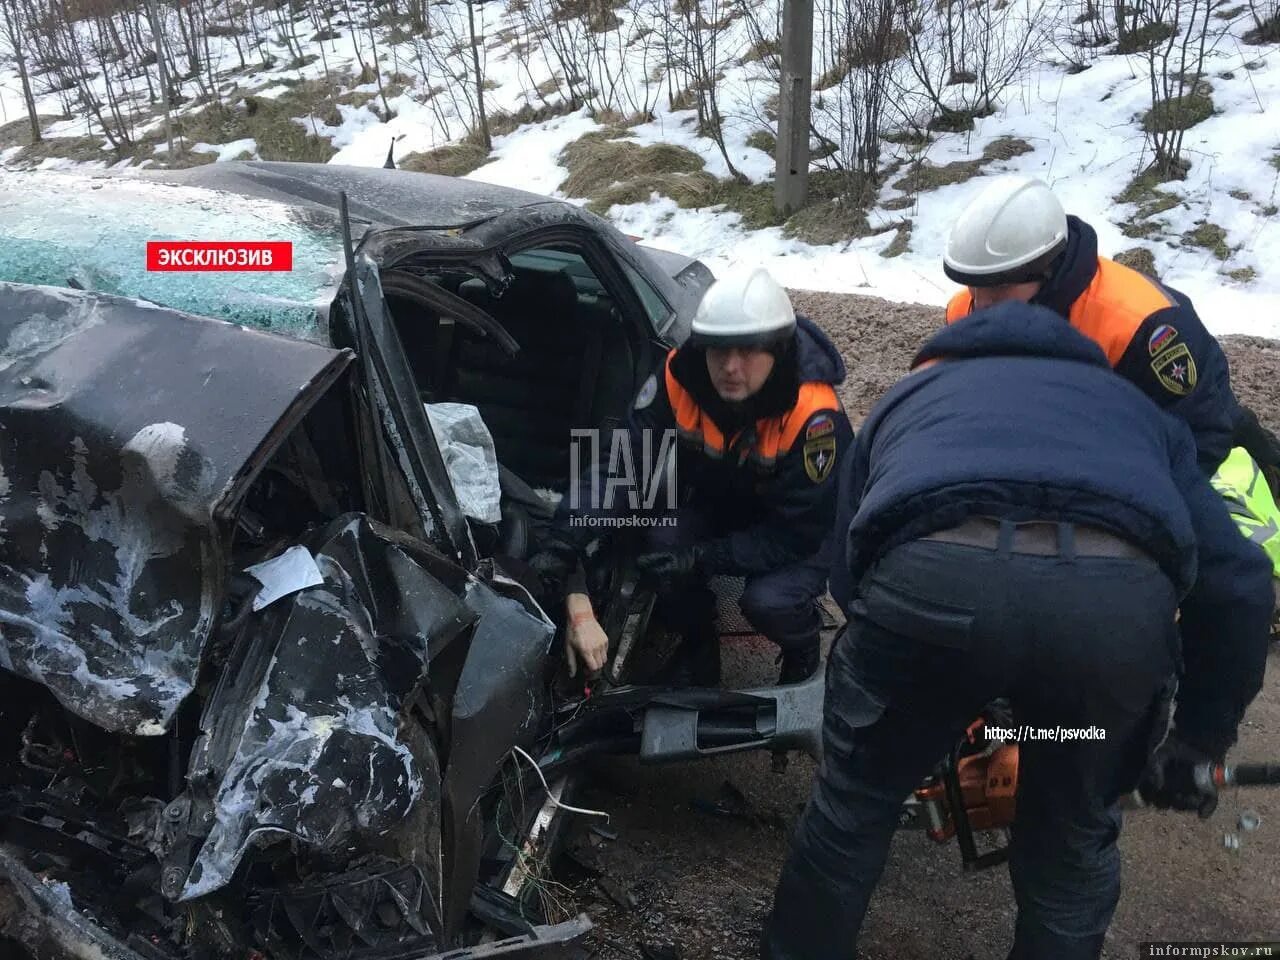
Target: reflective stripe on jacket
768,441
1249,500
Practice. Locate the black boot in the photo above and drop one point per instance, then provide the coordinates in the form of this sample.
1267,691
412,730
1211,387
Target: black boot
800,661
698,660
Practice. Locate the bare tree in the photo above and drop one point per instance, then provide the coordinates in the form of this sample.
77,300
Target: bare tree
866,42
1266,19
476,41
14,29
692,34
964,54
549,27
1187,32
164,74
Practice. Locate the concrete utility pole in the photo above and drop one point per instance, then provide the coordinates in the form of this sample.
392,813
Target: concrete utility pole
791,181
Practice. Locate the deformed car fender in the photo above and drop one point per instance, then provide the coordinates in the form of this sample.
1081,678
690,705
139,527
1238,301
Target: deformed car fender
121,463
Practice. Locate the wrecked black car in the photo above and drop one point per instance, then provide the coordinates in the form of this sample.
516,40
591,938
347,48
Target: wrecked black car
269,685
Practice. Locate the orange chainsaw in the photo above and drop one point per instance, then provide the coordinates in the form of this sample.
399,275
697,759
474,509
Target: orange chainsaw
975,789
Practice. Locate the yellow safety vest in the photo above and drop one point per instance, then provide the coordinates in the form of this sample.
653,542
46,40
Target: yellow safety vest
1249,500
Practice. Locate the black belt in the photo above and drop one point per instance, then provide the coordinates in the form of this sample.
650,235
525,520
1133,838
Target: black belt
1044,538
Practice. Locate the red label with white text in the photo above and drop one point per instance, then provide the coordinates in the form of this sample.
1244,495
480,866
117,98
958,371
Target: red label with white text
188,255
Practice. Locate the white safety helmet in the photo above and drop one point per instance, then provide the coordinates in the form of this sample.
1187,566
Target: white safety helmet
1011,233
744,307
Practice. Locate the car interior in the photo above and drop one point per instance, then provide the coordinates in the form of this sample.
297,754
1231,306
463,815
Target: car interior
576,367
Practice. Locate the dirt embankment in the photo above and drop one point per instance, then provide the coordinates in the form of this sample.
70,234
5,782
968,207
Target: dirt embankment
692,870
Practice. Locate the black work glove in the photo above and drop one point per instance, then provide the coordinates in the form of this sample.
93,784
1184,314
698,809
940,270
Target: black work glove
669,566
1261,443
553,564
1169,780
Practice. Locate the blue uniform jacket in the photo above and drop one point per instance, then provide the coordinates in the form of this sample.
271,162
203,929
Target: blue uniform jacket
1020,417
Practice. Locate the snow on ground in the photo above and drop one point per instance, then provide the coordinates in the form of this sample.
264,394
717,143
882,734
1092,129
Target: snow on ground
228,151
1082,127
527,159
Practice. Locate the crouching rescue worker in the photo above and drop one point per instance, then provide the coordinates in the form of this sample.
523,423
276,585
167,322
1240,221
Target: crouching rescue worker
751,404
1024,525
1015,242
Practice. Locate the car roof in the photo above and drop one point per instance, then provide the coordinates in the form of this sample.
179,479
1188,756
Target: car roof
374,194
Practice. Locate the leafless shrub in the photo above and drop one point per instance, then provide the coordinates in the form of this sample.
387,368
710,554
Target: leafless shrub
1187,33
692,36
964,54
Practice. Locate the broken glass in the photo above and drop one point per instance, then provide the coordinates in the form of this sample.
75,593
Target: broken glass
59,230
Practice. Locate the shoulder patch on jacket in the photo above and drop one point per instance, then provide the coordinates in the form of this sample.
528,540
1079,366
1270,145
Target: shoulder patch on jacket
819,457
1160,338
648,391
1176,369
820,426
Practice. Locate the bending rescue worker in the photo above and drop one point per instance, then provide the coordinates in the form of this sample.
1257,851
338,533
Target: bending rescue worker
1024,524
751,398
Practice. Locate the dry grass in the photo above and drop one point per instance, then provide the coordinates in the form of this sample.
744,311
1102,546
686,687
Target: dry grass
1179,113
452,160
1146,37
690,190
830,221
270,122
1006,148
79,149
1208,236
1149,202
901,242
1138,258
763,48
925,176
17,133
597,163
763,140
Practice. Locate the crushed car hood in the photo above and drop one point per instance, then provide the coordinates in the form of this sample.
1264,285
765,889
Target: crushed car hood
121,464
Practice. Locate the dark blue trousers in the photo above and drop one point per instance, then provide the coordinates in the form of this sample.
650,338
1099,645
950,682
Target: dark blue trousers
781,604
936,631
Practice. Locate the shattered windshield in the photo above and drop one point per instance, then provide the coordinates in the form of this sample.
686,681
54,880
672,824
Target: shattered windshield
92,233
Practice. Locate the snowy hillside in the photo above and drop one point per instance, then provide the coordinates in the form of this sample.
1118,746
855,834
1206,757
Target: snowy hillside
1070,112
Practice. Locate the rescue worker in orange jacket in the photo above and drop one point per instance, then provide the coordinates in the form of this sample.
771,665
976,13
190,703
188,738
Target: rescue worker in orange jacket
1015,242
759,429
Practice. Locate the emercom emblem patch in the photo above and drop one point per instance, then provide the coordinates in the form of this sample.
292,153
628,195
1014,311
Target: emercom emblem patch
819,457
1176,370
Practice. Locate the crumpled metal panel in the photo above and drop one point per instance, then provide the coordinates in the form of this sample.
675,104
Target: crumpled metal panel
120,458
501,700
312,751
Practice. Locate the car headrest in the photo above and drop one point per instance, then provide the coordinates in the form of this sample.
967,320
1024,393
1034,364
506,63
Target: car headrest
551,291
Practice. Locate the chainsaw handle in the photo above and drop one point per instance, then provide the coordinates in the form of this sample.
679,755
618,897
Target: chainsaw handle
1209,777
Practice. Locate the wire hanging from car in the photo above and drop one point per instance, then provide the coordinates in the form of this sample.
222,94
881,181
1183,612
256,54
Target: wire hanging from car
563,806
